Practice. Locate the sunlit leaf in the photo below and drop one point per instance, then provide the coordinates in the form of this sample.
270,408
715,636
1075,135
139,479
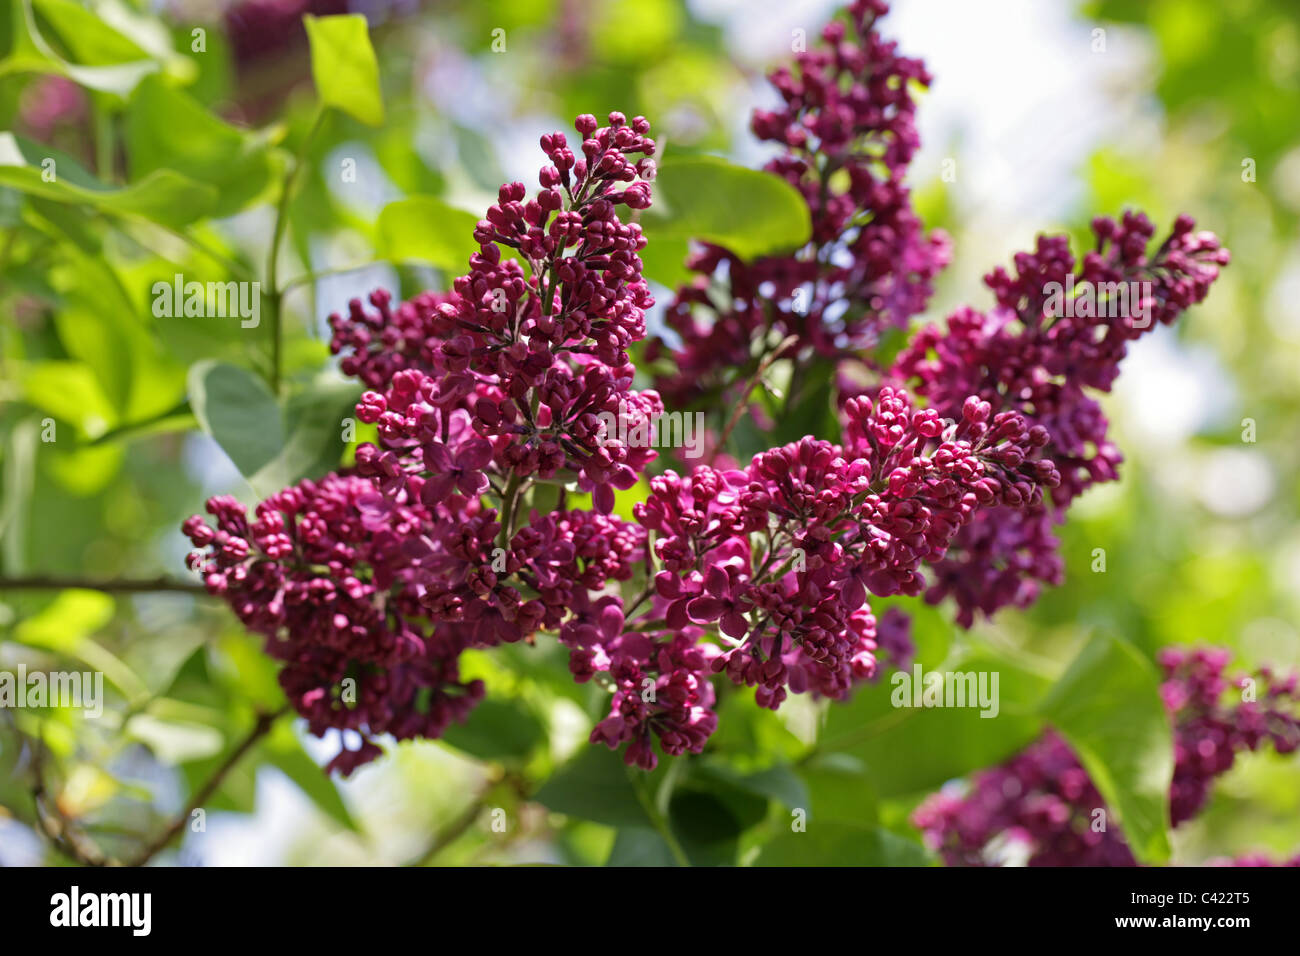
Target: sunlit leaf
426,229
163,196
344,67
749,212
168,129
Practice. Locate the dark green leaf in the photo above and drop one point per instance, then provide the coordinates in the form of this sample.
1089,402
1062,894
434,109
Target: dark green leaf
497,729
841,844
707,827
1108,706
640,846
941,743
594,786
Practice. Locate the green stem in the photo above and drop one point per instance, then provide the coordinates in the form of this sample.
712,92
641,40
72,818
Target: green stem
45,582
275,294
309,277
104,148
743,402
640,783
508,509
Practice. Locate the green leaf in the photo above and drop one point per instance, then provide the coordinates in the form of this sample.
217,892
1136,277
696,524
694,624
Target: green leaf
1108,706
273,447
812,411
99,324
749,212
168,129
164,196
68,620
708,827
664,260
754,733
778,783
941,743
497,729
842,844
174,741
236,408
111,63
313,436
87,38
238,664
428,230
839,791
594,786
88,337
640,846
344,67
84,470
70,392
283,750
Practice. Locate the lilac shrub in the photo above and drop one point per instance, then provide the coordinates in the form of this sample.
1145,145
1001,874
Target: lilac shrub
369,584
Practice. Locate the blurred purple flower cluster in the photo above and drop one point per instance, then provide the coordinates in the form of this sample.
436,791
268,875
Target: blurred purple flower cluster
847,133
1043,800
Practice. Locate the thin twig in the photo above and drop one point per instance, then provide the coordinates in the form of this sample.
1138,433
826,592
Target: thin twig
275,293
54,825
307,278
743,403
454,830
201,796
45,582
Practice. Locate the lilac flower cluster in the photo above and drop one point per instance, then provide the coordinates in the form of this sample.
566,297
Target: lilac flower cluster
508,383
831,523
260,29
389,340
847,133
1024,356
487,389
1043,799
532,361
321,573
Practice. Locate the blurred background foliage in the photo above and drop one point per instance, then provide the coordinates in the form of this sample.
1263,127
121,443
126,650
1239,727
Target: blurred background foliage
181,150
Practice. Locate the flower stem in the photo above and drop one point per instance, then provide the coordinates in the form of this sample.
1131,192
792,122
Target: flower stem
640,783
260,729
508,509
274,293
43,582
